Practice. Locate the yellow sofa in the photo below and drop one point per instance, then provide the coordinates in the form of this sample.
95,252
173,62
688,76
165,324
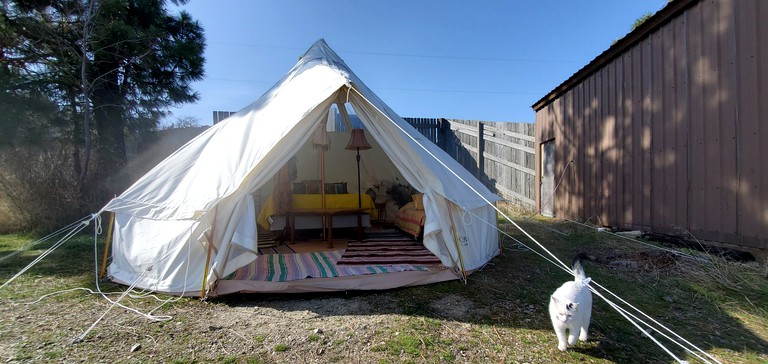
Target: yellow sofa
313,202
410,220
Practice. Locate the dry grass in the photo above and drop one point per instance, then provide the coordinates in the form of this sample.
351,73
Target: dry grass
499,316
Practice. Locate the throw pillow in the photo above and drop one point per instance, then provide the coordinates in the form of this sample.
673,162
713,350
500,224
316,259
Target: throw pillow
418,201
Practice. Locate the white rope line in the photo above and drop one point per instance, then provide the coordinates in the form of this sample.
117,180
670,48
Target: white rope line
621,312
79,226
654,329
460,179
80,338
127,293
619,308
642,242
132,295
561,264
543,226
660,325
149,314
61,242
41,240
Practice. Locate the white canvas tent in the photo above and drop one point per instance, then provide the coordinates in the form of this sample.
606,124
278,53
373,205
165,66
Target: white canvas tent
192,218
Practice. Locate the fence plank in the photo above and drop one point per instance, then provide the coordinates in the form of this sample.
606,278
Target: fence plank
499,154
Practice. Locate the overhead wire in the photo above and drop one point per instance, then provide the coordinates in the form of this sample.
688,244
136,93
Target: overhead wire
409,55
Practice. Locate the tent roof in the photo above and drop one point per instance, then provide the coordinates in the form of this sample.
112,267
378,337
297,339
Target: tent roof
260,138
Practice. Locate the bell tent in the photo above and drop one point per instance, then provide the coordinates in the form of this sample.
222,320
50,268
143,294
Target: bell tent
190,224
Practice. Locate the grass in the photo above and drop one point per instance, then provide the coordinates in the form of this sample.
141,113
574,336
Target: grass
499,315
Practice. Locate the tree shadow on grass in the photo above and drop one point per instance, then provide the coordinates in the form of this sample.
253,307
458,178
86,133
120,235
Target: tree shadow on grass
508,299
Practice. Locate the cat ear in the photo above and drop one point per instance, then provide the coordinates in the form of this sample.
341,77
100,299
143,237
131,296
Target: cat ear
554,300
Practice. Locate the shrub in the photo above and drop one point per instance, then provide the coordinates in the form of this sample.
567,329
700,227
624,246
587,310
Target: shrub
39,187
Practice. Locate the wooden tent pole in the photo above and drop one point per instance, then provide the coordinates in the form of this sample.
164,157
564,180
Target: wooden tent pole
340,103
456,242
210,249
106,245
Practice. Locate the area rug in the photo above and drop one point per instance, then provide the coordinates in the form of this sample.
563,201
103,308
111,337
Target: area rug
387,235
291,267
276,249
387,252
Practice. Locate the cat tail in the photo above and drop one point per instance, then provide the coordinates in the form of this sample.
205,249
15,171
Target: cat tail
578,269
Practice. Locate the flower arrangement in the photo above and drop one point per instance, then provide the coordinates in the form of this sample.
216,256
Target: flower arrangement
401,193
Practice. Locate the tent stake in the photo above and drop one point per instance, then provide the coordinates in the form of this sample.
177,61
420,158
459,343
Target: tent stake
456,241
106,245
210,248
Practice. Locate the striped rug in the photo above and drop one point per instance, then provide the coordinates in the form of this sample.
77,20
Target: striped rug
276,249
387,252
387,235
291,267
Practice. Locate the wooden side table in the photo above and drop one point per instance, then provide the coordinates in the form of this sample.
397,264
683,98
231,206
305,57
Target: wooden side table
327,216
381,209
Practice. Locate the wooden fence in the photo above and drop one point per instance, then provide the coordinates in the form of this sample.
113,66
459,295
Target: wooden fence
500,154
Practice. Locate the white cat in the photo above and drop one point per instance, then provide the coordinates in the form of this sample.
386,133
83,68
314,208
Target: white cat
570,307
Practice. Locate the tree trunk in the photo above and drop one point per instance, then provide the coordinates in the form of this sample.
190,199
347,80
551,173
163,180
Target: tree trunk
110,126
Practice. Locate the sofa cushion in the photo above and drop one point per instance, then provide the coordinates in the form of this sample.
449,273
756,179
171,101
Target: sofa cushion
418,201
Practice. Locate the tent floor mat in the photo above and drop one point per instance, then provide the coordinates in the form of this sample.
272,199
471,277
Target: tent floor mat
339,284
347,278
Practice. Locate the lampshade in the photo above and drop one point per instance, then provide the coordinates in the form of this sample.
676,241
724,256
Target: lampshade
357,141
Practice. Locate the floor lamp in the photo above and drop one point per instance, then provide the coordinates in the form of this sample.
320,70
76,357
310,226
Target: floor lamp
357,142
321,141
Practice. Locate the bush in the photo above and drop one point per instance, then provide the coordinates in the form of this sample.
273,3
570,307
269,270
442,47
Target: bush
39,188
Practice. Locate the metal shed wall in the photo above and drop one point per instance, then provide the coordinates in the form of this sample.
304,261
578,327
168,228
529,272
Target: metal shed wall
668,128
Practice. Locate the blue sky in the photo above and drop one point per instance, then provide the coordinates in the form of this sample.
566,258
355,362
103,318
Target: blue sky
480,60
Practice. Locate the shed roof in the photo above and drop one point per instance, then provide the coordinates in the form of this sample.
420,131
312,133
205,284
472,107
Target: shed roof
663,16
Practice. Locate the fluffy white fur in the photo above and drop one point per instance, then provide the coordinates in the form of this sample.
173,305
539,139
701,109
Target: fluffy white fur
570,308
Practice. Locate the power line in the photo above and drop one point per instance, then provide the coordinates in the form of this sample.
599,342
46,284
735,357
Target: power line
409,55
461,91
486,92
464,58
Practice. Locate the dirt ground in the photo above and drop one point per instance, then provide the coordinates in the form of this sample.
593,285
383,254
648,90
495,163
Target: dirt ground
316,329
499,316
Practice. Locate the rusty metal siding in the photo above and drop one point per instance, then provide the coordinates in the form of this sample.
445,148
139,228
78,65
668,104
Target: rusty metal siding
669,134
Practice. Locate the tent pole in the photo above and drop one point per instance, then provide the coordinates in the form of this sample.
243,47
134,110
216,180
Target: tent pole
322,192
456,242
343,111
208,259
106,245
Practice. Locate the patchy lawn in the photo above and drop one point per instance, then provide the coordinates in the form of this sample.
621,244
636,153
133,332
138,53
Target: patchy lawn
500,315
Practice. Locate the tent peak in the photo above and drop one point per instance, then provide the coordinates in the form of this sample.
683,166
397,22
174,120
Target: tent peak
320,51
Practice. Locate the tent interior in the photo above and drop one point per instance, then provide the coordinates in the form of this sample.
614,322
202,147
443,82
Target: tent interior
336,165
287,264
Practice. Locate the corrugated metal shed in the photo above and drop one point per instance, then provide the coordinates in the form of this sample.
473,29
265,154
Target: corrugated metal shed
667,128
